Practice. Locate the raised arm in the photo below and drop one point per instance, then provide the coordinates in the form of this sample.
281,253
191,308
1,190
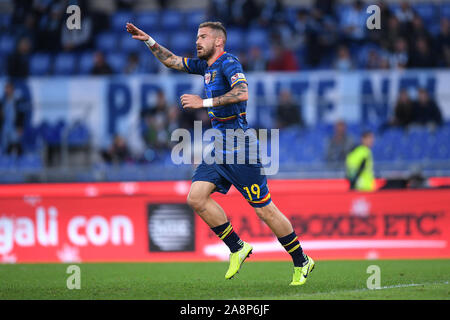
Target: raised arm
162,54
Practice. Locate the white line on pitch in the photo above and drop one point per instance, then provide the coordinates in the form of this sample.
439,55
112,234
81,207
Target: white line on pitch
356,290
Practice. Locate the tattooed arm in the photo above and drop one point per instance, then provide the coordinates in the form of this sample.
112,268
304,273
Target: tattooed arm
167,58
162,54
238,94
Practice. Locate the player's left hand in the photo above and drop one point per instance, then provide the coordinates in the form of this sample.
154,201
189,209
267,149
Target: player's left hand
191,101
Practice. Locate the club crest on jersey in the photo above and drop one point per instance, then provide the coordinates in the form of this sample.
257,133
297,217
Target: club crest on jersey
209,77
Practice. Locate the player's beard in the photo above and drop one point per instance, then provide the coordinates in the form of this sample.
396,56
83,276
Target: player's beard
206,54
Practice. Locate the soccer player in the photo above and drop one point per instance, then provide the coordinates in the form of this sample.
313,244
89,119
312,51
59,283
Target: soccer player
359,164
227,94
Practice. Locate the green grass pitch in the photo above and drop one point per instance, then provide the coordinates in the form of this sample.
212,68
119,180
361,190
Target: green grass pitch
400,279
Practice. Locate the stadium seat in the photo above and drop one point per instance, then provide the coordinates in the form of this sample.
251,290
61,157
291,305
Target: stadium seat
445,10
7,44
290,13
235,40
427,11
440,151
148,21
85,63
31,139
65,64
162,37
182,42
257,38
194,18
3,64
119,20
149,63
6,162
39,64
52,133
78,135
30,162
341,9
5,21
117,61
129,44
394,7
107,41
171,20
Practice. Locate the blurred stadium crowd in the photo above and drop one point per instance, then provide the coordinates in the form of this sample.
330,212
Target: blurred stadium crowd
265,35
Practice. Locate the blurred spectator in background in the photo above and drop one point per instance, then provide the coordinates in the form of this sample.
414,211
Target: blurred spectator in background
100,67
422,56
220,10
256,60
359,164
404,110
127,4
282,59
391,34
300,27
339,144
133,64
405,14
272,12
327,7
118,152
426,111
50,27
12,120
417,30
399,58
155,123
353,23
154,132
343,61
243,59
288,111
163,4
376,35
442,43
375,60
245,12
321,37
188,116
173,118
78,39
27,28
18,65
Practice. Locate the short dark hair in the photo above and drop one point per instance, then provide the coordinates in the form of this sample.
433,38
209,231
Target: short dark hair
215,25
366,133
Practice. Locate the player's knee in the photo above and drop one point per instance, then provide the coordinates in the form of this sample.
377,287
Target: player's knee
196,201
265,213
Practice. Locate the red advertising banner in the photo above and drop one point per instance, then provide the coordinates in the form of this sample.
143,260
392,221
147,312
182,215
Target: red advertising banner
151,222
